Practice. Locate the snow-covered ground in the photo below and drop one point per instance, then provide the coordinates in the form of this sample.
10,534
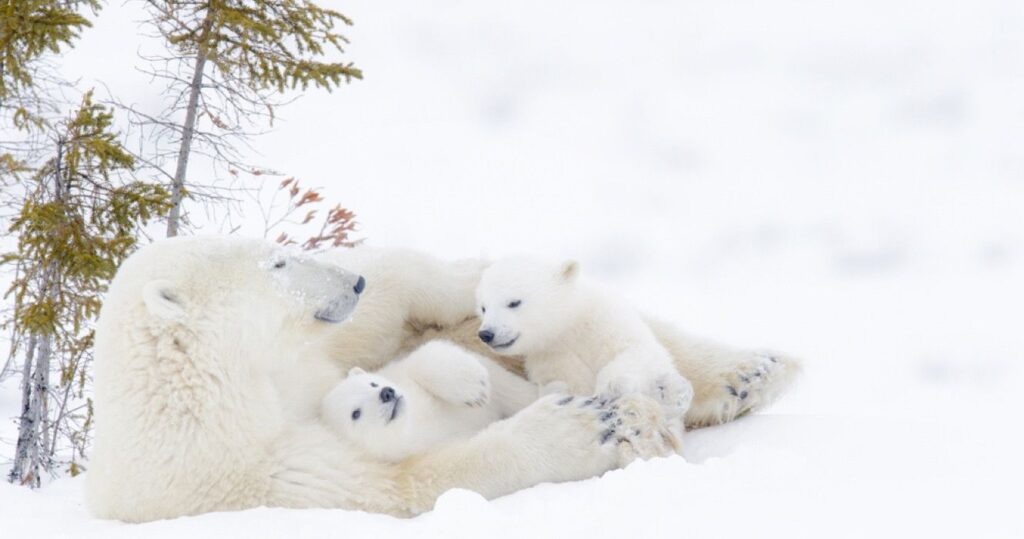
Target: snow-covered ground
840,180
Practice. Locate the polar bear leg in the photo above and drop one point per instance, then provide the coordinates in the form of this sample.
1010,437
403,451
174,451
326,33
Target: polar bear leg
458,376
510,392
558,438
648,370
727,382
449,372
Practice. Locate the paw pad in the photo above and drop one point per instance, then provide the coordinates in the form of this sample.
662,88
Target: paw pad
607,435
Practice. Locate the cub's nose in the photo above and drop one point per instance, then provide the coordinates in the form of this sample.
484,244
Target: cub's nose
486,335
360,285
387,394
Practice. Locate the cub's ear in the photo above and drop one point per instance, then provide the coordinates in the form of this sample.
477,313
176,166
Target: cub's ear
162,301
569,270
355,371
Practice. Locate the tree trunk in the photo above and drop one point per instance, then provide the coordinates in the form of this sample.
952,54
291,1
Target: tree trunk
40,458
26,427
32,454
188,129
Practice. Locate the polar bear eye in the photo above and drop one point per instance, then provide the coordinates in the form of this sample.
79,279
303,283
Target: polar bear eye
356,413
515,303
279,264
483,310
373,384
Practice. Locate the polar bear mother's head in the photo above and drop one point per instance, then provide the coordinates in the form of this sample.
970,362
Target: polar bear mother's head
250,290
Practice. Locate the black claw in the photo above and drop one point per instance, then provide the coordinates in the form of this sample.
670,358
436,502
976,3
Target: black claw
565,401
607,416
607,435
772,359
758,374
743,395
745,379
588,402
732,391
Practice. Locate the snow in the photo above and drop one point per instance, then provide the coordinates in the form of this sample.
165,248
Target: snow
843,181
794,475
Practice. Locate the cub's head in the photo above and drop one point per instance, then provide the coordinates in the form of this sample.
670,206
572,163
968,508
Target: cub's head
524,303
363,404
238,294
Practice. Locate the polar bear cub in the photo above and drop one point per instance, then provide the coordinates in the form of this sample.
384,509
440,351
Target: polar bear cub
571,334
438,393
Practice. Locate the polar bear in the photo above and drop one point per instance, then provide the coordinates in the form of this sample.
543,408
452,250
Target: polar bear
573,335
438,393
417,297
207,351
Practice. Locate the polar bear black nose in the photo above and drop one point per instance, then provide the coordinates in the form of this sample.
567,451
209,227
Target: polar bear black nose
486,335
360,285
387,394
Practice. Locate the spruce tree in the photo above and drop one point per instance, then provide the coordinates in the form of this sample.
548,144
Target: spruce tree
30,30
81,218
228,63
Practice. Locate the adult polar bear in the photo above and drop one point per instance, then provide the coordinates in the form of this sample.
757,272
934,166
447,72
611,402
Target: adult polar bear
212,356
208,355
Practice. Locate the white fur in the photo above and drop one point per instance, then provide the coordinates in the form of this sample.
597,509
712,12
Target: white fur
574,334
439,393
209,371
412,298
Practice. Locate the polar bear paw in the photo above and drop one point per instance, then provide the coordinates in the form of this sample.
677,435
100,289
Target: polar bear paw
641,430
450,373
757,381
567,438
585,436
670,389
673,392
471,387
634,424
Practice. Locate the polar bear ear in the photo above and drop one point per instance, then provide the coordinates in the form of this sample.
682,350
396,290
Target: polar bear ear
355,371
162,301
569,270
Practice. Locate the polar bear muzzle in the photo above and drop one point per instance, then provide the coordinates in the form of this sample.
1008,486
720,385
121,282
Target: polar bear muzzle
336,311
338,306
331,291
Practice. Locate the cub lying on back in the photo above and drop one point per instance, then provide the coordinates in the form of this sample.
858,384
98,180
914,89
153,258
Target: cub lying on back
571,334
438,393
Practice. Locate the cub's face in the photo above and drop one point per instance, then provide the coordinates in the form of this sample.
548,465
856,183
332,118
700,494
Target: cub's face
366,404
524,303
